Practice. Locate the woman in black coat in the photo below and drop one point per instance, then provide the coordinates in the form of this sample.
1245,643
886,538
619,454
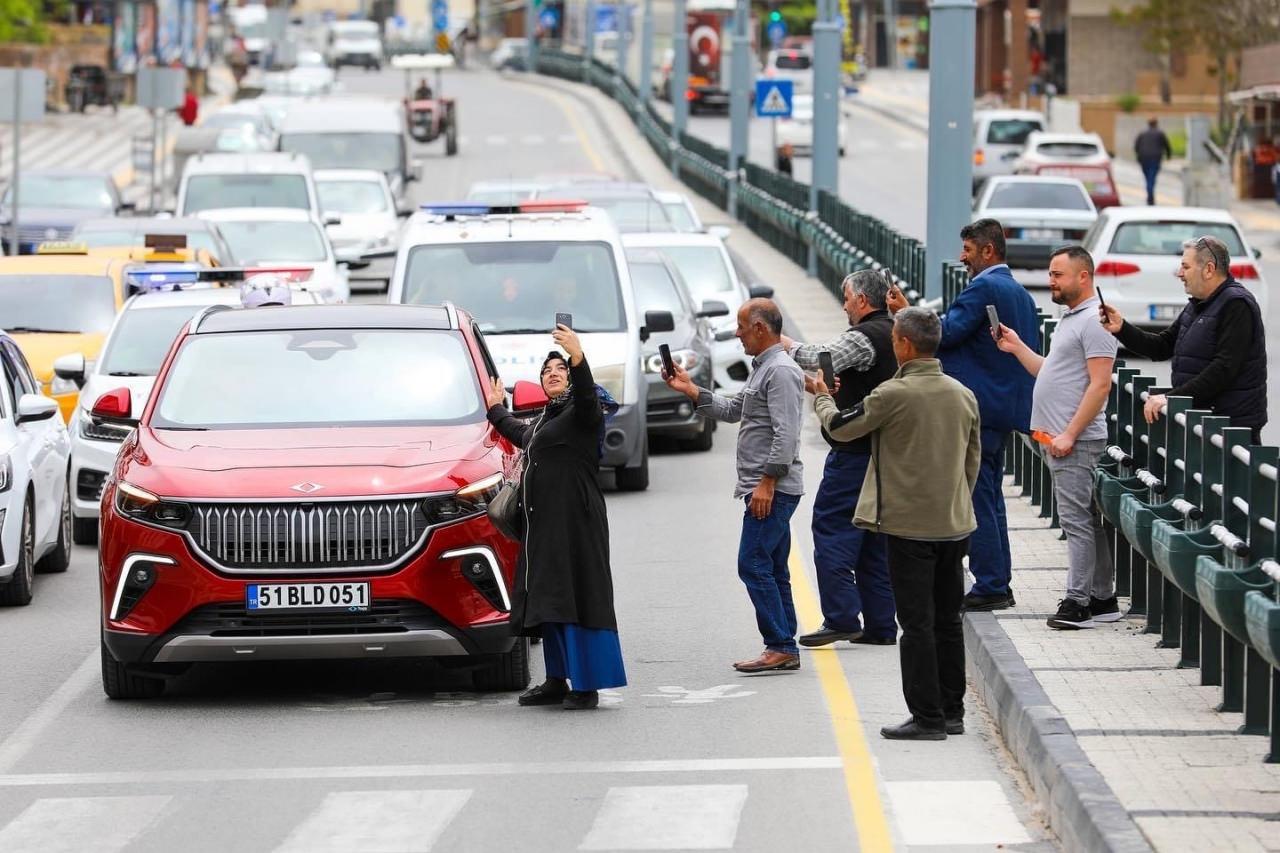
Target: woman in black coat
564,590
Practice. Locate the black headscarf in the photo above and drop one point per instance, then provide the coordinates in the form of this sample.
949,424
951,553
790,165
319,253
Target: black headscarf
608,405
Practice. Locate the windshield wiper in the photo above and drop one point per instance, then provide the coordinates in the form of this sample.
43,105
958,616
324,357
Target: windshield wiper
37,330
126,373
184,429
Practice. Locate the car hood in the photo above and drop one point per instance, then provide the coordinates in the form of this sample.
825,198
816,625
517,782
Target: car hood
342,461
58,217
42,349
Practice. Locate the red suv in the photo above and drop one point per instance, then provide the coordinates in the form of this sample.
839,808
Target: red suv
304,483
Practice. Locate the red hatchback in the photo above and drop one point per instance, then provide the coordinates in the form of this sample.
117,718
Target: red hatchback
308,483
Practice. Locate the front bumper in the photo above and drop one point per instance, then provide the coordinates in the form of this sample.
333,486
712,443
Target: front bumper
671,413
1031,254
91,462
730,365
624,438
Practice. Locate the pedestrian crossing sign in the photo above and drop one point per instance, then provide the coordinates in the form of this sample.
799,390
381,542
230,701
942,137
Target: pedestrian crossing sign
773,98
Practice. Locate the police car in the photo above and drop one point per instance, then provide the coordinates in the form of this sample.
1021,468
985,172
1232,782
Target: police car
513,268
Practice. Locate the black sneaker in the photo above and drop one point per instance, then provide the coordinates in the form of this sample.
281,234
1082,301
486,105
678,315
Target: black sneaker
986,602
1070,616
825,636
955,725
868,640
1105,609
1012,603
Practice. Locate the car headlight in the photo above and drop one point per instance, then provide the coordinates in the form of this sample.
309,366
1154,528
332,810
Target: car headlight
6,473
96,430
684,358
140,505
59,386
613,378
464,503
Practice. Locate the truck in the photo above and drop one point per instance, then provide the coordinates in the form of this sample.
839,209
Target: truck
709,25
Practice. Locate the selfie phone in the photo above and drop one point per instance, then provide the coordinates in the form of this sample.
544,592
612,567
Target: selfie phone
994,319
828,368
565,320
1101,301
668,364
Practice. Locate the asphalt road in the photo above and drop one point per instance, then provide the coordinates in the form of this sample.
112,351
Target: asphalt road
405,756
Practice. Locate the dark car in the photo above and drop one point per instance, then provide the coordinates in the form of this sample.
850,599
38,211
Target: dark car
659,287
133,230
52,202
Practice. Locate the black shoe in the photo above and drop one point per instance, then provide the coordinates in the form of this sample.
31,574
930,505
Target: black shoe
986,602
868,640
1012,603
1070,616
550,692
581,700
825,636
911,730
1105,609
955,725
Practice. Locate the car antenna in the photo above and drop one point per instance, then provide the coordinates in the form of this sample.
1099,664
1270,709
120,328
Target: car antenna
511,197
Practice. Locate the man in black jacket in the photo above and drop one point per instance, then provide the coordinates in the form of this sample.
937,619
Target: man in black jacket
1151,148
1218,344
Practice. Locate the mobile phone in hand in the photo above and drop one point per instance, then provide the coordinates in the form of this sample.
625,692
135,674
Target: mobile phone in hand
994,319
668,364
828,368
1101,300
565,320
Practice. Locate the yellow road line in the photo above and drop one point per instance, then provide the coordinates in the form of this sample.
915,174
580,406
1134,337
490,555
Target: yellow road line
869,817
567,108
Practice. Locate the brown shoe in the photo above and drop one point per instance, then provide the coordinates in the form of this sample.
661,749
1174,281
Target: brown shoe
769,661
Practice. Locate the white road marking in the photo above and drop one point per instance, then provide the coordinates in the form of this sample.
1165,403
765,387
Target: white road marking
955,814
566,138
495,139
419,771
532,139
690,696
77,824
909,144
376,822
668,817
28,734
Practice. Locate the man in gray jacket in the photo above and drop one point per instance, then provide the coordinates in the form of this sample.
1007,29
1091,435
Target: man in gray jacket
1151,148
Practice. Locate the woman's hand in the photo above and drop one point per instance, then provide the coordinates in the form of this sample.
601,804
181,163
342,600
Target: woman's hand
495,394
567,340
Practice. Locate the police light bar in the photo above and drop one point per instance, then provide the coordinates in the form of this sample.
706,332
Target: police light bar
553,205
154,278
452,210
293,275
458,208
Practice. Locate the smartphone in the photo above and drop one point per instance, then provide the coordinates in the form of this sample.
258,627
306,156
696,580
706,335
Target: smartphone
994,319
828,370
667,363
565,320
1101,301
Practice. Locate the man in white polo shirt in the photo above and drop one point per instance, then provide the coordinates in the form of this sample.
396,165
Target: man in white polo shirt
1068,408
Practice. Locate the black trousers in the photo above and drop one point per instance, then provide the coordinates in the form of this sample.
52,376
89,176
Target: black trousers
928,587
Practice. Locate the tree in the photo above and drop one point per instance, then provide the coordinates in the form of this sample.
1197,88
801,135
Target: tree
20,20
1167,26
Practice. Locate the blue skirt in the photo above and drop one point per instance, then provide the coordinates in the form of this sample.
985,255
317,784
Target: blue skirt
591,658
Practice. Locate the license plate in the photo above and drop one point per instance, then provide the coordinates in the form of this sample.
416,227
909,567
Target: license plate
1165,312
1042,233
304,596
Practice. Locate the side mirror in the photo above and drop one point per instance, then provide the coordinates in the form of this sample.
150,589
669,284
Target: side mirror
656,322
760,291
332,219
115,406
70,367
720,231
1257,253
712,308
130,206
528,397
34,407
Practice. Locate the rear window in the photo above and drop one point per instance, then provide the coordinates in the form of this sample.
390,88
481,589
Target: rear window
1166,238
1043,196
208,192
793,62
1067,150
1011,131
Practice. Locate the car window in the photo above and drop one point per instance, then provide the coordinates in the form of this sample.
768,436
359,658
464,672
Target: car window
12,381
1166,238
352,196
84,193
517,287
379,151
490,366
656,290
1010,194
141,338
680,216
1011,131
793,62
17,371
634,214
57,303
1068,150
207,192
703,269
274,241
319,378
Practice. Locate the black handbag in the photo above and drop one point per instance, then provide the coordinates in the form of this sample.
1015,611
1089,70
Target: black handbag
504,511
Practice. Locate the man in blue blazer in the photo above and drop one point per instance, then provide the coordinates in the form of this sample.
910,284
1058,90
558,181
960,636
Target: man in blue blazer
969,354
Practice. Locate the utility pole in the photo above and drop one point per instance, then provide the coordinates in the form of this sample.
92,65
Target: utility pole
952,25
826,109
740,86
646,53
589,41
679,78
624,40
531,33
891,34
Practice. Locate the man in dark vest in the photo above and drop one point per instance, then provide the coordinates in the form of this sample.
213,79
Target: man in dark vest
1218,344
852,564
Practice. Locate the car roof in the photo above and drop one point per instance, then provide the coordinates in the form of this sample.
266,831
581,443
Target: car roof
200,297
601,189
147,224
259,214
1047,136
591,224
432,317
659,239
669,197
1176,214
1034,179
998,114
264,162
359,115
374,175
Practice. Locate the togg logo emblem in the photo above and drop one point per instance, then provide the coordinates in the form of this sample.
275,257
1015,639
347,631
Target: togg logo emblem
306,488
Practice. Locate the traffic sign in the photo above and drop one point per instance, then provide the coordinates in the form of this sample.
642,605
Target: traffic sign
777,31
549,18
440,15
773,98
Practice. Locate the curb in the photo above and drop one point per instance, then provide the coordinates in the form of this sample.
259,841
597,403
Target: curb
1082,809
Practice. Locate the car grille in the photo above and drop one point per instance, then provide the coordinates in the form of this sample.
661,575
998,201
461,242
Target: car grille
300,535
387,616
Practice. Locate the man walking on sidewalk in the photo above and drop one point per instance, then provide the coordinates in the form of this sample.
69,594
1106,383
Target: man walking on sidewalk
851,564
924,463
770,475
1072,384
1151,148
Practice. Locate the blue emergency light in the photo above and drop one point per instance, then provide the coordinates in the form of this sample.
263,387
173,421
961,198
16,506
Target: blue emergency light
153,277
451,210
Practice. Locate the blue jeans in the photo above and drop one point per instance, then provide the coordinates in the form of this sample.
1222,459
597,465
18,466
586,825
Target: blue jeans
1150,169
989,558
762,566
852,564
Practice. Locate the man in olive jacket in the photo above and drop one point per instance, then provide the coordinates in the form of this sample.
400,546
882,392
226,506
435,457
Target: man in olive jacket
926,449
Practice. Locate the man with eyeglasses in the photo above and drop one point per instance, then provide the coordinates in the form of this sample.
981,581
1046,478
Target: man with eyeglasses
1217,344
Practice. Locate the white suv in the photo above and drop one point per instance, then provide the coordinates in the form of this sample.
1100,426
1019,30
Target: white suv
998,139
513,270
273,179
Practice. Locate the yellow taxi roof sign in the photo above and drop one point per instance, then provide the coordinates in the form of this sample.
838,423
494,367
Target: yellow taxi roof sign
164,242
62,247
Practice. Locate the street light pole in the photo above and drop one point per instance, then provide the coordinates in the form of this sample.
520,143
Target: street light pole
826,109
951,59
624,33
589,42
890,34
646,53
679,79
531,33
739,97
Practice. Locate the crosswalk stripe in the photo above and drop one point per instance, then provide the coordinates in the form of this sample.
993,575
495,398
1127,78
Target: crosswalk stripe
76,824
930,813
376,822
668,817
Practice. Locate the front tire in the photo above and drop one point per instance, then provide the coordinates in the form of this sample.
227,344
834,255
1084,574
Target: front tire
84,531
509,671
120,681
59,559
18,591
634,479
451,133
704,440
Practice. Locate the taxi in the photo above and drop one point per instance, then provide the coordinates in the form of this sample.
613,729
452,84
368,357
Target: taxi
64,298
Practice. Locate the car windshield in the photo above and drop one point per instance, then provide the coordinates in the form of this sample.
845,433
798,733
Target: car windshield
209,192
703,269
319,378
656,290
141,338
232,121
793,62
380,151
634,214
274,241
56,303
75,191
352,196
680,216
1008,194
517,288
113,237
1068,150
500,195
1011,131
1166,238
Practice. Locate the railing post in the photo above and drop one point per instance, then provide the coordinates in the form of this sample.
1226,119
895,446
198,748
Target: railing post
1211,470
1262,546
